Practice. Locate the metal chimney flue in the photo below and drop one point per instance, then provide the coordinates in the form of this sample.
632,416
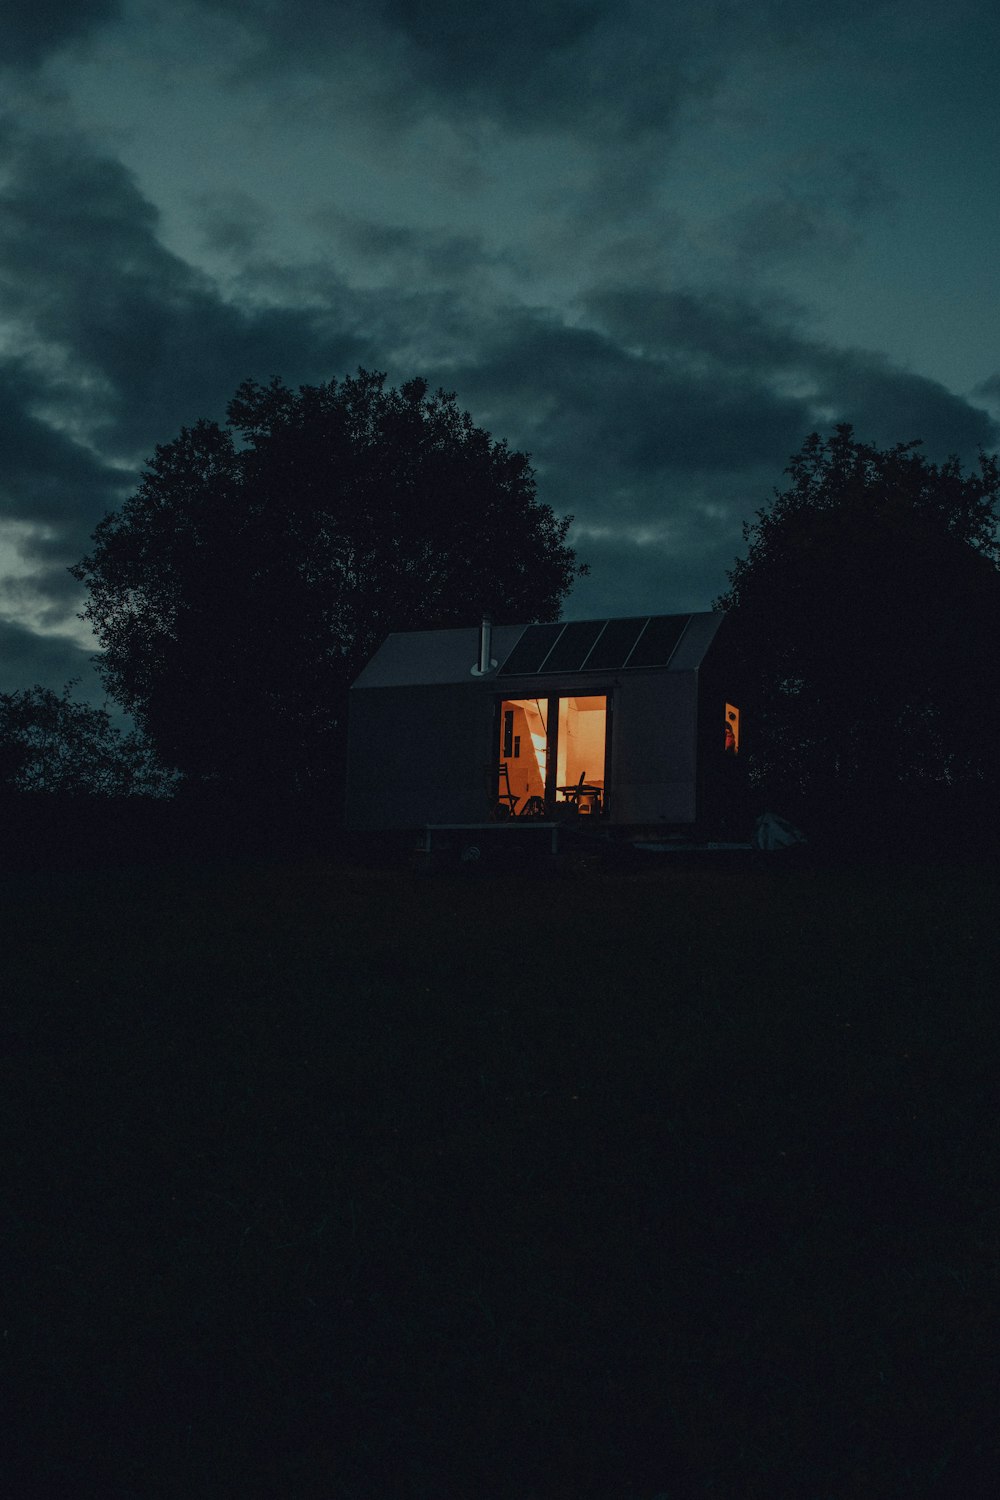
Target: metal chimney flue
485,664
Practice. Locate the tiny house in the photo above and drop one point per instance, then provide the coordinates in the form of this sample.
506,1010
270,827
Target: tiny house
620,724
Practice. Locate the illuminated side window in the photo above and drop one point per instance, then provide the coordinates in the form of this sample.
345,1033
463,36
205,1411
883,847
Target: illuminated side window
732,729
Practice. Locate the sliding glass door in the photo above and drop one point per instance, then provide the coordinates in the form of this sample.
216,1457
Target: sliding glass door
552,756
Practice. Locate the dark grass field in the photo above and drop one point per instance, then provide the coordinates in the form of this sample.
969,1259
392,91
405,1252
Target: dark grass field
320,1180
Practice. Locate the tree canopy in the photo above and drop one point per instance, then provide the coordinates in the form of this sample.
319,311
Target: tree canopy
50,743
865,618
242,587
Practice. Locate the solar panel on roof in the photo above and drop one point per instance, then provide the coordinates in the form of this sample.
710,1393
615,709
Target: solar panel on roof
613,645
595,646
531,650
655,646
570,651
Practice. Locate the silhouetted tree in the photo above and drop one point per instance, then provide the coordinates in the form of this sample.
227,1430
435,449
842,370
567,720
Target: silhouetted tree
241,589
866,617
51,744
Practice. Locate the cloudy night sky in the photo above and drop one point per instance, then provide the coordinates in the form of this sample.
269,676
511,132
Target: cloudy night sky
654,245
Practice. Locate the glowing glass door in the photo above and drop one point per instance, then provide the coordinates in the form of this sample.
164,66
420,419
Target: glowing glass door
552,754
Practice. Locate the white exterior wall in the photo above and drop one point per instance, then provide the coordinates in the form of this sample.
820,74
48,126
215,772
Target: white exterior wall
654,749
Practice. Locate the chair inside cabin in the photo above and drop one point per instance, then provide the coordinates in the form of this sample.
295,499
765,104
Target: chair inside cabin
504,793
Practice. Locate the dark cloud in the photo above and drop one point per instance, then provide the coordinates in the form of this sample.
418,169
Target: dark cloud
601,69
590,65
664,430
47,659
887,405
53,489
44,473
577,64
718,328
658,461
989,388
122,343
631,411
32,32
411,256
727,338
151,341
232,222
819,211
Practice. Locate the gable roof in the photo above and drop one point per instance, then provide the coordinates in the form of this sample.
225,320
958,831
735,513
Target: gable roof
417,658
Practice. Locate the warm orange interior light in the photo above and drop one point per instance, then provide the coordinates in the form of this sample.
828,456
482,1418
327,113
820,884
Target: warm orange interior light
732,729
579,735
582,728
525,737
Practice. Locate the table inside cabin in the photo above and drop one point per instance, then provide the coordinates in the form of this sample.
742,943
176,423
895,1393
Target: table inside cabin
576,793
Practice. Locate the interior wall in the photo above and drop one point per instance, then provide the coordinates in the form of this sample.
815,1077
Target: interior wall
582,739
526,770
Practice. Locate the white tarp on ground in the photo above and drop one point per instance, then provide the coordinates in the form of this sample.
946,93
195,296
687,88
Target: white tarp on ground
772,832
